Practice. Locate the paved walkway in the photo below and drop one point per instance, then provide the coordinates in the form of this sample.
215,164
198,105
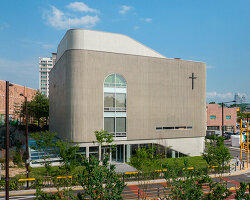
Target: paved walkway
131,186
123,167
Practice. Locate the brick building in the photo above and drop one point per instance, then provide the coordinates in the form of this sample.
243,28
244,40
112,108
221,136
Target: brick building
214,117
14,98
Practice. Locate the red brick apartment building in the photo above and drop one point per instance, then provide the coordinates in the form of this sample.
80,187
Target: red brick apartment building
214,117
14,98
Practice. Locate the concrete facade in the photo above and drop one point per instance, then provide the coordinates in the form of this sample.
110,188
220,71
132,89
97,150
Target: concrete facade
159,94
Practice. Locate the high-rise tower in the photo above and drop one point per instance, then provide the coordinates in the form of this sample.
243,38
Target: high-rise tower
45,65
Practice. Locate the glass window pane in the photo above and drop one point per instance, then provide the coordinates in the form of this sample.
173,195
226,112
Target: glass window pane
121,100
110,79
109,100
213,117
109,124
121,124
120,79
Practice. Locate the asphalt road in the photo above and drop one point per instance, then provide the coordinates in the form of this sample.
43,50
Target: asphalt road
235,151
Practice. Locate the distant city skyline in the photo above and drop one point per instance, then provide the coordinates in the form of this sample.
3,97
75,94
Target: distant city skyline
214,32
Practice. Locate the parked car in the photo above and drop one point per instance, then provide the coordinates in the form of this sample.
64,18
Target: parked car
227,135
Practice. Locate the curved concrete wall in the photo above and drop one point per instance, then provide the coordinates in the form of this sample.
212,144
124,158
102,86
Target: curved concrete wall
102,41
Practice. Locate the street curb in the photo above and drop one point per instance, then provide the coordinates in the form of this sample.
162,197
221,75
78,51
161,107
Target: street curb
75,188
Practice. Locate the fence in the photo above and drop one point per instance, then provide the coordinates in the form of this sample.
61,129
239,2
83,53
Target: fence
45,182
33,183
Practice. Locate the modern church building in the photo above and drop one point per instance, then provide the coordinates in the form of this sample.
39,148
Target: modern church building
110,81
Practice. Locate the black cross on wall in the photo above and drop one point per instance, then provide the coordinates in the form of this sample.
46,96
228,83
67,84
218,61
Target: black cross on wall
193,77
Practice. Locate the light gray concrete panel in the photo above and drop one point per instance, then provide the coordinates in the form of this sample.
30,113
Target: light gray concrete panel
103,41
159,93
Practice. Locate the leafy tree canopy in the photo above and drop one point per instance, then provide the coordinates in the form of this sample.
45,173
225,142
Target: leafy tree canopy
38,107
216,153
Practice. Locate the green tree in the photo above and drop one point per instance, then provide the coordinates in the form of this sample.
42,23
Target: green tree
241,193
189,186
38,108
144,159
17,158
241,115
45,146
216,153
64,191
101,181
104,137
68,154
212,102
243,107
217,190
60,194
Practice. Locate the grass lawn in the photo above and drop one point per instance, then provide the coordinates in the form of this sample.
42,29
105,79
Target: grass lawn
197,162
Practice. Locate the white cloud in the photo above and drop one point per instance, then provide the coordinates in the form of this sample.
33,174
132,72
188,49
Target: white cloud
210,67
81,7
146,19
136,28
124,9
3,26
24,72
59,20
228,95
48,46
30,43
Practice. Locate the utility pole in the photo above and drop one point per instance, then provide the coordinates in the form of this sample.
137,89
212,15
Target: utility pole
222,124
222,117
241,144
7,141
27,138
247,144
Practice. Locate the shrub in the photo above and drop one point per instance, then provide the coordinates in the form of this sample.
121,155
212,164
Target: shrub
17,159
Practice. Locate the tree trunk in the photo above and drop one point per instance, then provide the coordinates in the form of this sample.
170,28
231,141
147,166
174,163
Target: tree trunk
38,123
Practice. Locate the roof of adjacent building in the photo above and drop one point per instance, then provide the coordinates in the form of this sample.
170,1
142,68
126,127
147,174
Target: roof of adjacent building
103,41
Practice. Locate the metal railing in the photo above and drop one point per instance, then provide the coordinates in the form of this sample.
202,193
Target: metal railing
32,183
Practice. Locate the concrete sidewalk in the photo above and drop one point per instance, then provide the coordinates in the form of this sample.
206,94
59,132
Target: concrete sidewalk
50,190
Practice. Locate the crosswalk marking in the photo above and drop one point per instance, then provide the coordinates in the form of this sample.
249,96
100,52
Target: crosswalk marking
19,197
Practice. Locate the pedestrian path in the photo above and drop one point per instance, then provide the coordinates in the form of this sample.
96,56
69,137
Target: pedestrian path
123,168
20,197
154,186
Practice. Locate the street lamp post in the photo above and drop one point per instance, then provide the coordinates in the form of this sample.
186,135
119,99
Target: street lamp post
7,145
27,138
222,113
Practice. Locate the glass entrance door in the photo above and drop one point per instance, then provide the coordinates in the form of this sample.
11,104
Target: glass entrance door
105,152
117,153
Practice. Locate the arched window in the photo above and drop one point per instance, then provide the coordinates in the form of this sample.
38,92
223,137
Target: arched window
115,80
115,105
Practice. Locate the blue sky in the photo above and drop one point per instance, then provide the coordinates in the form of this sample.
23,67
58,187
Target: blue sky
216,32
